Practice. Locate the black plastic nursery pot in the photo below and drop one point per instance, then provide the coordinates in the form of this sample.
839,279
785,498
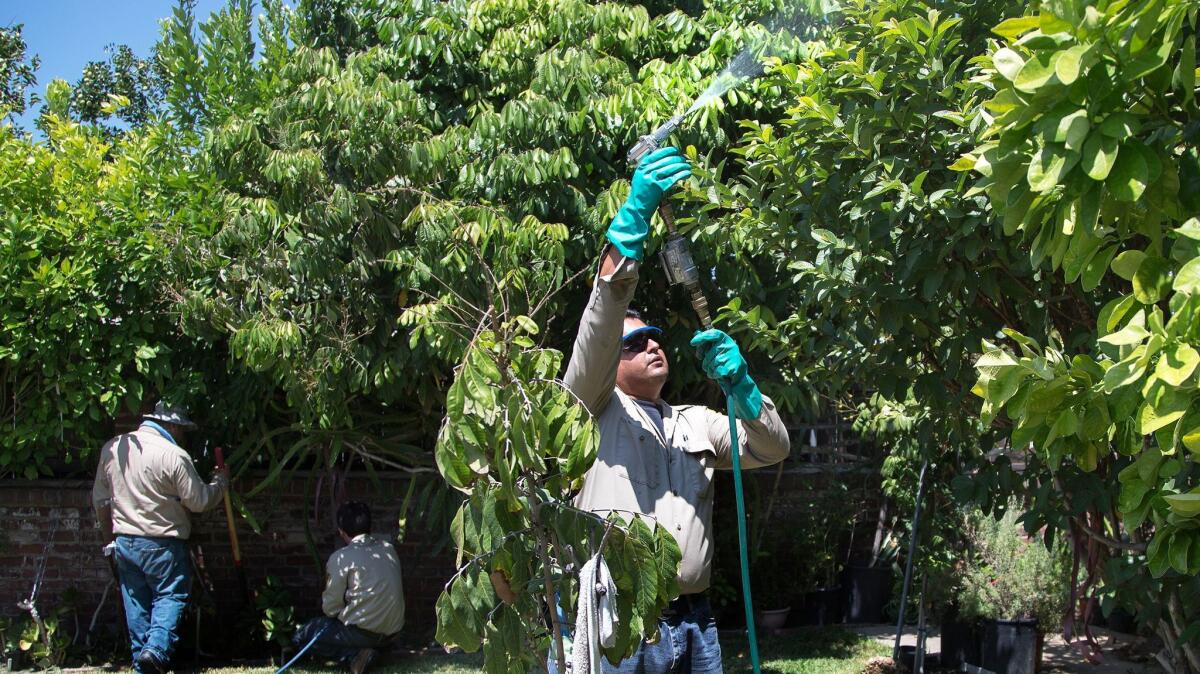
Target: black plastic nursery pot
822,607
868,590
1011,646
960,642
908,659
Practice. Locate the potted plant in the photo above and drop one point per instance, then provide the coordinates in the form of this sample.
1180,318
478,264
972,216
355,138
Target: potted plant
868,584
1016,587
773,582
822,526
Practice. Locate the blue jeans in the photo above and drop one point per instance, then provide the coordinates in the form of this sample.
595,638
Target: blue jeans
155,579
687,643
335,639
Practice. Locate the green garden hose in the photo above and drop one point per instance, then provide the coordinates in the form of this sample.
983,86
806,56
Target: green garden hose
741,519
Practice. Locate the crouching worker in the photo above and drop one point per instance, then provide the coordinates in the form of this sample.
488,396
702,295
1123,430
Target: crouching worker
363,600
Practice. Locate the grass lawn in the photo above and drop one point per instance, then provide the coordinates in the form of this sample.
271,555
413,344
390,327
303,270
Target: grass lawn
810,651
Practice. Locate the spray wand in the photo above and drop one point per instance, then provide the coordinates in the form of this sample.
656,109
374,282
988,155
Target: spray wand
681,269
675,255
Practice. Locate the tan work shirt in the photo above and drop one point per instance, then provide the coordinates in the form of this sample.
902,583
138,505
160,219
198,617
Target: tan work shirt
668,474
363,586
151,484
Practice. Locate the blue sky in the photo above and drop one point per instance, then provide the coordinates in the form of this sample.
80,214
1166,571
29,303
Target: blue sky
67,34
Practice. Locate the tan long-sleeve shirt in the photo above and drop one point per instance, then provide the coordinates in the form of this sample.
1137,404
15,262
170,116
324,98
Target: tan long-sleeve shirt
150,484
665,474
363,586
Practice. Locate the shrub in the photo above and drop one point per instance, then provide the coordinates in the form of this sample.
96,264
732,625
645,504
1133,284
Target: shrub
1012,575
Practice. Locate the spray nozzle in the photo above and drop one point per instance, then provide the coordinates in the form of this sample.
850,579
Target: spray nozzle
650,142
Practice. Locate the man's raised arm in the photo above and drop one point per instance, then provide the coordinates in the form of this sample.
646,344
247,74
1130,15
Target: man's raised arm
592,372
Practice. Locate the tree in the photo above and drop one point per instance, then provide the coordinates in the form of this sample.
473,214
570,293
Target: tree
18,72
334,164
131,80
862,267
1090,157
398,185
86,328
899,265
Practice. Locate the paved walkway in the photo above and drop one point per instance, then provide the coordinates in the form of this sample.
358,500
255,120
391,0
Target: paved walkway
1057,656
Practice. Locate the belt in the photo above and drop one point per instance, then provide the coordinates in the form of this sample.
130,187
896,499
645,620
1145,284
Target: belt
685,604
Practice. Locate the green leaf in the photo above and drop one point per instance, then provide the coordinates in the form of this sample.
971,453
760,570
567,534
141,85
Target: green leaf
528,325
1130,174
1097,268
1152,280
1036,73
1126,264
1072,130
1187,505
1099,155
1133,333
1048,166
1119,125
1156,554
1184,78
1014,28
963,163
1190,229
1125,372
1151,419
1082,248
1066,67
1181,544
1189,430
1177,363
1133,492
1187,281
1008,62
1064,426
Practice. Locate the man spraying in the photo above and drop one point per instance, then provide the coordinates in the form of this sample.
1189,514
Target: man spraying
363,599
654,458
145,487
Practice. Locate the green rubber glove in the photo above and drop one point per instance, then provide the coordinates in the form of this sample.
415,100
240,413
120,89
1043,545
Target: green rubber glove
656,173
723,362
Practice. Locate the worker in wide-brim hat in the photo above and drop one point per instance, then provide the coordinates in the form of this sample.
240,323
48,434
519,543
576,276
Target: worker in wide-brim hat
146,486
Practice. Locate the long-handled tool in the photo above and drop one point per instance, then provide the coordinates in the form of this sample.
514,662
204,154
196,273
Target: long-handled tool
233,538
681,270
908,565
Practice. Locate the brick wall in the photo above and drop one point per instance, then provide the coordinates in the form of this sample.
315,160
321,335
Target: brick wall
33,513
60,510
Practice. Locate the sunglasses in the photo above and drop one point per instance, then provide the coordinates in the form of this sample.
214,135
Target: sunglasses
636,340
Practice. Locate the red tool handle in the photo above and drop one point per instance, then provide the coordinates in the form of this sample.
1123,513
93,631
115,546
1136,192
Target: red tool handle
220,457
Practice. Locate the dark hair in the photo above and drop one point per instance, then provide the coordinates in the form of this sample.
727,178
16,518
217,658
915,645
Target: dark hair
354,518
634,313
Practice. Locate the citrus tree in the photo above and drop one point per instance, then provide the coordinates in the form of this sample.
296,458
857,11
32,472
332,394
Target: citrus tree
874,274
87,331
900,265
1089,158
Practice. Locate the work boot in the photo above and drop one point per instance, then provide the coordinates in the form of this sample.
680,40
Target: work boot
149,663
362,660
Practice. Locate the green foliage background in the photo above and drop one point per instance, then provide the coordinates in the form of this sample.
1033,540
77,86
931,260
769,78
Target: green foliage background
969,227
